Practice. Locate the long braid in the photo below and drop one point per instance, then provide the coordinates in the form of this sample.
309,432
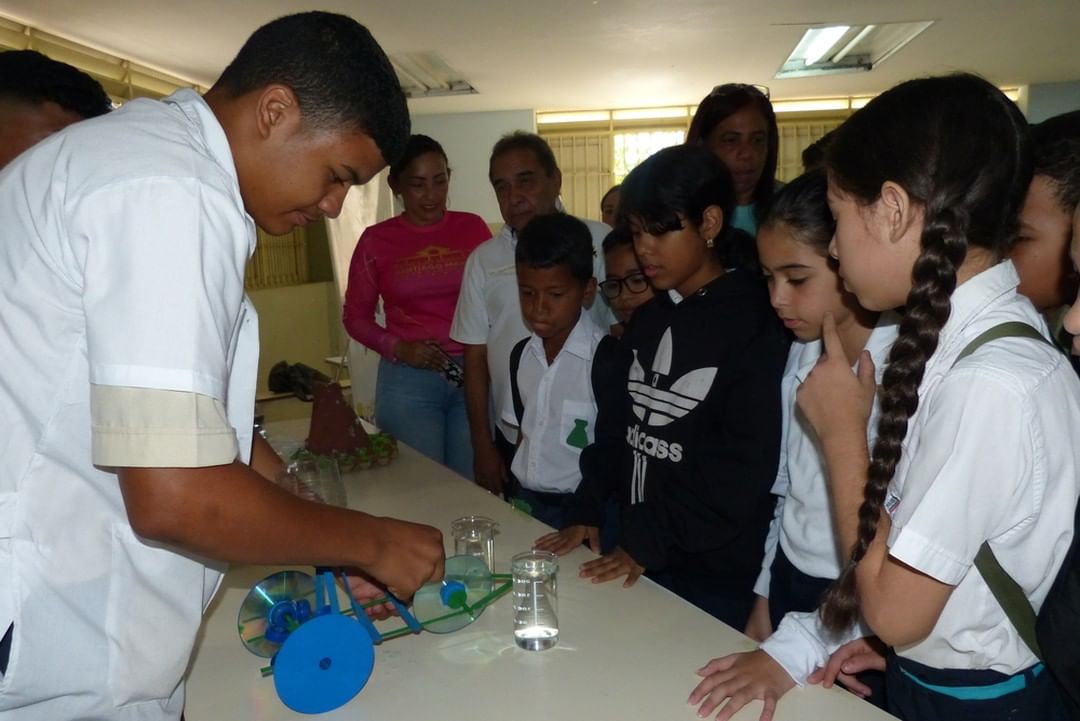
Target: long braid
944,246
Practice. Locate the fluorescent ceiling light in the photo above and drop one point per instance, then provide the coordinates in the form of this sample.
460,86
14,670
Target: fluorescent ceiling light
848,48
819,41
426,75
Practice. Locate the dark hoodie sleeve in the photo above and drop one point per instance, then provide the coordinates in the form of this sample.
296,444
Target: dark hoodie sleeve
601,461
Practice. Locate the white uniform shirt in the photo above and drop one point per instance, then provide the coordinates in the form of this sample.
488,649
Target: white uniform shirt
122,264
489,312
559,415
990,453
802,523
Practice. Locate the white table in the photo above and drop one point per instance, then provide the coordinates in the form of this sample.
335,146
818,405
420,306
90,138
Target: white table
622,654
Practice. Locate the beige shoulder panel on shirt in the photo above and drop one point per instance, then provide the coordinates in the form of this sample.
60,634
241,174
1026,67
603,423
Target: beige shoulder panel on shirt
153,428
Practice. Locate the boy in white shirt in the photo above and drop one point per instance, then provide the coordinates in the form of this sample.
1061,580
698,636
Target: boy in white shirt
550,371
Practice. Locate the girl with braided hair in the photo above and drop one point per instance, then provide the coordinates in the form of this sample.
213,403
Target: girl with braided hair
973,441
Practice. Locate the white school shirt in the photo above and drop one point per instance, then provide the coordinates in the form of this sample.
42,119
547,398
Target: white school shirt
802,523
559,407
121,264
990,454
488,312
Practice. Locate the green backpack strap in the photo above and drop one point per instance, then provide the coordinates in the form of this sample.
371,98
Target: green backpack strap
1006,590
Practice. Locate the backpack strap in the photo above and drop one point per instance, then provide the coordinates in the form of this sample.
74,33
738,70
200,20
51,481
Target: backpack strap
1006,590
515,392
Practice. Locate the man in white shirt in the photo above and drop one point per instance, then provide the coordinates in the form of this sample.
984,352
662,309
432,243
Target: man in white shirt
126,401
488,320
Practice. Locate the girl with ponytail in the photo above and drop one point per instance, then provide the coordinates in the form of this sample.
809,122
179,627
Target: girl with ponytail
973,442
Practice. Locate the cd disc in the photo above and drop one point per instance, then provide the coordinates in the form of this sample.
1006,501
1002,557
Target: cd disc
433,600
271,610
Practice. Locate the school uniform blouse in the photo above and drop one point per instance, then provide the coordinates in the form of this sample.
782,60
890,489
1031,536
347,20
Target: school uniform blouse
990,454
559,410
802,524
121,278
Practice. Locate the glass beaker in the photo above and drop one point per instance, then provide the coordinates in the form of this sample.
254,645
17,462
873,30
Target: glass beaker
536,592
319,479
475,536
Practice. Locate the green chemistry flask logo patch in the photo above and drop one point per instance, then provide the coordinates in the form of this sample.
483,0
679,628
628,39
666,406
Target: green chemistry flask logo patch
578,438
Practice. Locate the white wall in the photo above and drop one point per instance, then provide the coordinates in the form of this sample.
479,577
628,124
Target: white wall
467,139
1045,100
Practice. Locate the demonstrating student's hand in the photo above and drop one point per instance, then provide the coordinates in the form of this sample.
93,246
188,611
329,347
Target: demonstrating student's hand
613,565
836,401
740,678
489,471
419,354
364,590
862,654
759,626
408,555
562,542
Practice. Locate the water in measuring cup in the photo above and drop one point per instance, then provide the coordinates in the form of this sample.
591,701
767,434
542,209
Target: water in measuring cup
536,623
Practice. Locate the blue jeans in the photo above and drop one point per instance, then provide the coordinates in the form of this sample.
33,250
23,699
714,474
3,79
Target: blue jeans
426,412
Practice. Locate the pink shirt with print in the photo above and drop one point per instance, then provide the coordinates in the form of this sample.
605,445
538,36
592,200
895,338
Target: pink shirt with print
417,270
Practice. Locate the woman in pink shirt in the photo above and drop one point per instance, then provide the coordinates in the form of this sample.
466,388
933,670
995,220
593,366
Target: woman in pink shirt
414,262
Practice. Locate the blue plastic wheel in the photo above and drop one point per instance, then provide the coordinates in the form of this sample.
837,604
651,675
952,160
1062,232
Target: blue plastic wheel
323,664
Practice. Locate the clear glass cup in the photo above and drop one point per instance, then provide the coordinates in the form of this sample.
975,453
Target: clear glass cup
536,597
475,536
319,479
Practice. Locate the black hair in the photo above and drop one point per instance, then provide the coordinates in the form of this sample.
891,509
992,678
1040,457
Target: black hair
556,239
677,184
28,76
521,140
723,102
930,136
813,155
612,189
416,146
341,77
618,238
1056,144
802,206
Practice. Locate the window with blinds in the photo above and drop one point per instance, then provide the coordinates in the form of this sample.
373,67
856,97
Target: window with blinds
592,160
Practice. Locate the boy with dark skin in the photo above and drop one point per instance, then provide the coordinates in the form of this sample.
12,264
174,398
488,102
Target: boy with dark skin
129,391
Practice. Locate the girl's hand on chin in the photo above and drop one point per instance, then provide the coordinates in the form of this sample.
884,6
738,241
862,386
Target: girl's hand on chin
835,400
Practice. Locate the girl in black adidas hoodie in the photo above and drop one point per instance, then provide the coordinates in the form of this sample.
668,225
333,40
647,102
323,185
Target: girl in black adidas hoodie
691,439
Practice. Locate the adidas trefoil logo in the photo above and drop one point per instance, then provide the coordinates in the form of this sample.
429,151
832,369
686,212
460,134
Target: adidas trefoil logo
656,406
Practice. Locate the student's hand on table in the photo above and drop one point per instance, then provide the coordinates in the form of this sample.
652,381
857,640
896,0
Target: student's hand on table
408,555
613,565
740,678
836,401
862,654
562,542
364,590
422,354
489,469
759,626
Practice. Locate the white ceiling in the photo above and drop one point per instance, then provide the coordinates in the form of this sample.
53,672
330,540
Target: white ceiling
571,54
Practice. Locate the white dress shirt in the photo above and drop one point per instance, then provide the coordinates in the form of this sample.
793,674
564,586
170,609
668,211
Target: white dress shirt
990,454
121,266
489,312
803,523
559,410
